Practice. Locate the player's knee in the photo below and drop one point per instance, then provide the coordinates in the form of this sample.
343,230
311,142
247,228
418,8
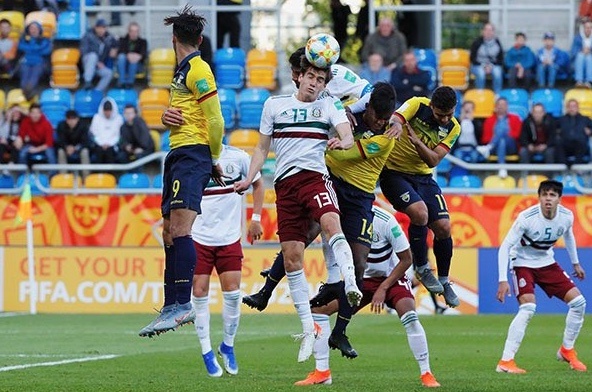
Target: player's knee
578,304
528,309
199,291
418,216
441,228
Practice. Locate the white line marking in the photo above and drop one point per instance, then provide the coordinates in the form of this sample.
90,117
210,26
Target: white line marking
56,363
12,314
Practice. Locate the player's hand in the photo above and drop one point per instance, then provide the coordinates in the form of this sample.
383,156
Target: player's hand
503,291
412,135
351,117
579,272
255,231
172,117
395,130
335,144
218,175
377,303
241,186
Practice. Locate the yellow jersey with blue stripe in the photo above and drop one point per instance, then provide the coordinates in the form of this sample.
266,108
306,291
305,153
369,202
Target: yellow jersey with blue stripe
417,112
193,88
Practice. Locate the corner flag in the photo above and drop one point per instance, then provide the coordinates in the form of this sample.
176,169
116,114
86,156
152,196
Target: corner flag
24,213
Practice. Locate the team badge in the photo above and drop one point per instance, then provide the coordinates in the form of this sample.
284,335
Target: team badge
405,197
560,232
229,169
316,112
375,237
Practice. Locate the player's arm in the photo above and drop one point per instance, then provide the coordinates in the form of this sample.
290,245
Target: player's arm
570,246
429,156
257,160
503,258
255,229
402,116
360,105
364,149
345,139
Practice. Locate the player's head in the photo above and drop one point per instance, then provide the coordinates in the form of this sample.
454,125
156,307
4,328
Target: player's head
312,80
381,106
550,192
295,67
443,103
188,26
550,186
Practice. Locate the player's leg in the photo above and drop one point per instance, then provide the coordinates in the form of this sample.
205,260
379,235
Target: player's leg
331,289
228,265
399,191
524,287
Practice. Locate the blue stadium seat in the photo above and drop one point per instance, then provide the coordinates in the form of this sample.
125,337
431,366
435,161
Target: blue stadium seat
157,181
444,166
456,171
230,67
6,182
427,60
123,97
134,180
35,191
75,4
517,101
86,102
442,181
466,181
54,104
164,141
228,105
569,183
68,26
551,99
250,105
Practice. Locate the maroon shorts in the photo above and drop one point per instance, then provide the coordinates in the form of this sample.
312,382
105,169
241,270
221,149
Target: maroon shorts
401,289
552,279
224,258
298,198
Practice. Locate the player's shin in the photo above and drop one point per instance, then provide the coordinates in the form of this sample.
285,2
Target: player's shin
299,293
333,272
343,256
574,321
185,256
418,242
321,345
202,322
230,315
443,254
418,342
170,292
517,329
276,274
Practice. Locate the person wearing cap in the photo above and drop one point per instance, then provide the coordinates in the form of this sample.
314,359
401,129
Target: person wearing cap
581,53
548,58
98,49
105,131
520,62
72,142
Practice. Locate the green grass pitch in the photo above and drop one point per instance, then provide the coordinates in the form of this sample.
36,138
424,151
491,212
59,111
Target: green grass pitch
463,351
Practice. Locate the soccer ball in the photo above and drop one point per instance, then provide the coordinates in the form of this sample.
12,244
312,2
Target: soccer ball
322,50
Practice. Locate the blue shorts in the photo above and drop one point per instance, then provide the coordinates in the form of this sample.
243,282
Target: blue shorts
187,171
403,189
356,212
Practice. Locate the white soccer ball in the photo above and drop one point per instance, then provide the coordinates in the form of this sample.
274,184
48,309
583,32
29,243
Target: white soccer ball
322,50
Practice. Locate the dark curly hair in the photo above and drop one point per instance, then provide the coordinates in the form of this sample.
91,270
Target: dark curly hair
444,98
188,26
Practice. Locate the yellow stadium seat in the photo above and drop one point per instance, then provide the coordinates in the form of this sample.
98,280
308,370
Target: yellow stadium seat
17,22
261,69
152,103
156,139
2,100
47,20
64,68
584,98
16,97
100,181
245,139
531,181
269,197
453,68
65,181
484,100
497,182
161,67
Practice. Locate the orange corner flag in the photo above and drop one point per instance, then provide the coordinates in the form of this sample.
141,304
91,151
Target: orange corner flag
24,208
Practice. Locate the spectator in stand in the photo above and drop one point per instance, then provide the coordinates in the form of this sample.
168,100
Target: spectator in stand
374,70
9,129
34,63
501,133
105,131
387,40
136,141
520,62
228,22
410,81
470,132
35,137
548,61
8,48
132,53
340,15
571,143
581,53
537,136
72,142
487,58
98,49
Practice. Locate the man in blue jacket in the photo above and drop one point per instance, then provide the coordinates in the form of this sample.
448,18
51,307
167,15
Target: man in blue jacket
98,49
35,50
520,62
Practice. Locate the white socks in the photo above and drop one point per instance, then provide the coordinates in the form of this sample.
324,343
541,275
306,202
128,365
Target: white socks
517,329
299,293
574,321
230,315
321,345
417,340
202,322
333,273
343,256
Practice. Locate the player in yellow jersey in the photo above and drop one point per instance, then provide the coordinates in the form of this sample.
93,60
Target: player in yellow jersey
197,127
427,130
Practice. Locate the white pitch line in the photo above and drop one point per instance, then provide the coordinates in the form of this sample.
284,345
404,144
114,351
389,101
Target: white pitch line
56,363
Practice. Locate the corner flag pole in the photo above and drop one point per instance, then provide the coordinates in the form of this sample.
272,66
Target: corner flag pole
25,214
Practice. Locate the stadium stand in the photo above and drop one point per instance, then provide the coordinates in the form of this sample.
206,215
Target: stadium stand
161,67
531,181
453,68
65,181
228,106
497,182
155,135
569,183
250,106
100,181
134,181
86,102
551,99
465,181
68,26
33,178
16,97
261,69
518,101
123,97
64,68
427,60
245,139
484,100
584,98
152,103
230,67
6,181
54,104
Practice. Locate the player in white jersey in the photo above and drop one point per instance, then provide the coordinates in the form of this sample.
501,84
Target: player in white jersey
528,246
299,126
385,283
217,239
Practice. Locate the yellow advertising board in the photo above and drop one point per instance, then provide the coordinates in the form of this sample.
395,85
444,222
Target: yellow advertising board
129,280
